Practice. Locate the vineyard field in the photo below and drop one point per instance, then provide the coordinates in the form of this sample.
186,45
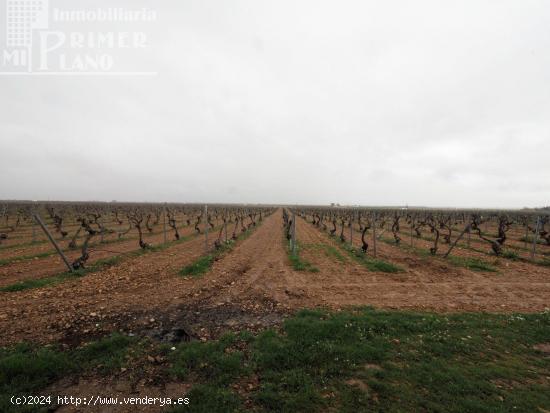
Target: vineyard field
154,277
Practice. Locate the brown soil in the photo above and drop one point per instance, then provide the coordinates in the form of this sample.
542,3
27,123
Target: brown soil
253,287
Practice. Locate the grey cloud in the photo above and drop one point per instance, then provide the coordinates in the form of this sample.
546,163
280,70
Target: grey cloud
426,103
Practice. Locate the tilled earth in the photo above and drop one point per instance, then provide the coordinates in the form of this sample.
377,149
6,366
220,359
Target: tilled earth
252,287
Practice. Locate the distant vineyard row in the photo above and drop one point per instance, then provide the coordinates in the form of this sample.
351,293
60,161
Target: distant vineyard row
84,221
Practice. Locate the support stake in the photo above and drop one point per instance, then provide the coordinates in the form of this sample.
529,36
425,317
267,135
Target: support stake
206,227
33,221
467,229
225,225
351,230
535,239
293,233
164,222
49,235
412,225
374,233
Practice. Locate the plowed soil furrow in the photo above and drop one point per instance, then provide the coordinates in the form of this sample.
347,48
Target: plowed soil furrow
256,270
114,298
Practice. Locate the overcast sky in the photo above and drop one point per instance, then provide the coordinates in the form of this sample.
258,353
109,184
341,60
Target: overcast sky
435,103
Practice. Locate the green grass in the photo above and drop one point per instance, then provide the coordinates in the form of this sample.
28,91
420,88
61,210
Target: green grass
36,283
531,238
511,255
26,370
210,362
380,361
474,264
107,355
59,278
8,261
22,245
297,262
201,266
371,263
329,250
333,252
205,398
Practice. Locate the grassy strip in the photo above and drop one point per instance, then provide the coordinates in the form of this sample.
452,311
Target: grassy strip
26,370
329,250
22,245
372,264
418,251
201,266
512,255
297,262
529,239
366,360
98,265
8,261
474,264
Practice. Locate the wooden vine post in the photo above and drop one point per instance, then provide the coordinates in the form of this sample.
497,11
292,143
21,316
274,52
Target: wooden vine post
33,223
52,240
374,233
467,229
164,222
535,239
225,224
293,233
206,227
351,230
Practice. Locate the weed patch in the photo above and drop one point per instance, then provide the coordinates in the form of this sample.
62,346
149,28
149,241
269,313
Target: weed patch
201,266
474,264
368,360
372,264
297,262
25,370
